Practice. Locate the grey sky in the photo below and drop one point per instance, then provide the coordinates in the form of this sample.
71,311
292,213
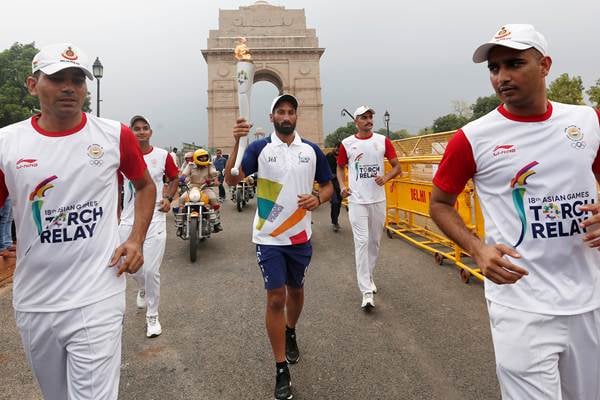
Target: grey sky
412,59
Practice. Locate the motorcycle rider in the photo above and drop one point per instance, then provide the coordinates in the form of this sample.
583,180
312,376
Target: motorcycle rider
201,172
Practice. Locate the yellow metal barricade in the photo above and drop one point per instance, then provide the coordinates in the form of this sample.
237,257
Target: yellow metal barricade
408,199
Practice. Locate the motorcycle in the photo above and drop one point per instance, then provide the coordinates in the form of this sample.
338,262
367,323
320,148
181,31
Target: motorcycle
197,219
243,192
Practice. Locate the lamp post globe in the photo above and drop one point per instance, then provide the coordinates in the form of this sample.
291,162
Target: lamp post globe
98,71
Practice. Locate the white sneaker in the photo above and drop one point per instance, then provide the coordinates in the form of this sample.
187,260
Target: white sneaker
153,328
367,301
141,299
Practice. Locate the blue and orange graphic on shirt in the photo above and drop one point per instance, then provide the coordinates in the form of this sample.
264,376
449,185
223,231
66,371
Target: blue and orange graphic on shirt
36,198
518,184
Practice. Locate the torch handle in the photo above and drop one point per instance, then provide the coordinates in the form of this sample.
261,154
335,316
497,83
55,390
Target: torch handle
242,145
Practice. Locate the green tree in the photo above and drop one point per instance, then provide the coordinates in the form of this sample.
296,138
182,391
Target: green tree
384,132
16,104
566,90
340,134
594,93
425,131
401,134
484,105
449,122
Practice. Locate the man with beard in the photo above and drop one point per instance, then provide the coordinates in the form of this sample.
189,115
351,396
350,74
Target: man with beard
364,153
287,166
535,165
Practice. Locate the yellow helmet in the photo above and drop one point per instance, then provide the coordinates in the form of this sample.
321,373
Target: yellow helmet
201,158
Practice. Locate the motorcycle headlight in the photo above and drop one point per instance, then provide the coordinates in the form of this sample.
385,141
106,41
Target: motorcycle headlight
194,195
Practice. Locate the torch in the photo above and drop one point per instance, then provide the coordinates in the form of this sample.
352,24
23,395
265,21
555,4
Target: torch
244,74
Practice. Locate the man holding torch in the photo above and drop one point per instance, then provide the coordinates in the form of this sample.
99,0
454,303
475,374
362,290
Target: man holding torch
287,166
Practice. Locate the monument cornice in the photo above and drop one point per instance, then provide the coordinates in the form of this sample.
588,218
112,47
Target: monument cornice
265,51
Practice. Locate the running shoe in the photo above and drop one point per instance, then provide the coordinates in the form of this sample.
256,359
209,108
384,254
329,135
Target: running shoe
292,354
153,328
283,385
367,301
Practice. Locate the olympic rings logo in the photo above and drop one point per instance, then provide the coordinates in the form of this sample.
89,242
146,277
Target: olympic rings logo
578,145
96,162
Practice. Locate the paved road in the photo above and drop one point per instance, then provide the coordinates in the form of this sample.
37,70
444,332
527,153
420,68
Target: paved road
427,339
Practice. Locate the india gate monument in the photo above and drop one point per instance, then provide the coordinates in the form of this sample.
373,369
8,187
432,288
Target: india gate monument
285,53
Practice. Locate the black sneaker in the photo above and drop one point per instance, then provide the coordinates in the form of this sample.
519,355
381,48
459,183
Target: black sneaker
292,354
283,385
217,228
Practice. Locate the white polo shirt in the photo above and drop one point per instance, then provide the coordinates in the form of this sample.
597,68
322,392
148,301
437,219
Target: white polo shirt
532,174
284,172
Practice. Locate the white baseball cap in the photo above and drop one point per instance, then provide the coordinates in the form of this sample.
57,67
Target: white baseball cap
56,57
361,110
138,118
284,97
515,36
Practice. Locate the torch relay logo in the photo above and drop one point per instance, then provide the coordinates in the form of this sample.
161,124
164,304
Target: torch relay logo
36,198
518,184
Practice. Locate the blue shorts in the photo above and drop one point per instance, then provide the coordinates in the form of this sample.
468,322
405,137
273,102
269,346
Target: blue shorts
284,265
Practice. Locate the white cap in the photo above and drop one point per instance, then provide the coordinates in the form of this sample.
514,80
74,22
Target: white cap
515,36
361,110
56,57
137,118
284,97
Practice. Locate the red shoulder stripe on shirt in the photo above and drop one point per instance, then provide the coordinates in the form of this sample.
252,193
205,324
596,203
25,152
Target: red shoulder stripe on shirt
457,165
390,151
171,169
132,165
342,158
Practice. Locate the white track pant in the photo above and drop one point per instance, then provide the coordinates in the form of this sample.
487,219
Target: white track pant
546,357
148,276
367,222
75,354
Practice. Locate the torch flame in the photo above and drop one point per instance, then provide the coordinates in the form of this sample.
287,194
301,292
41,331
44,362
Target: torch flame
242,52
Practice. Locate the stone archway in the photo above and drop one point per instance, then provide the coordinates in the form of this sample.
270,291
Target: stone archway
285,53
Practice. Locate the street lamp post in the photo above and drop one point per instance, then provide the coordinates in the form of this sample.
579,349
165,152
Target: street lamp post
386,116
98,71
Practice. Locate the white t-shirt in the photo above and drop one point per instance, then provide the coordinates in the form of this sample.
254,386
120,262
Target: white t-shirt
159,164
365,160
63,188
284,172
532,175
